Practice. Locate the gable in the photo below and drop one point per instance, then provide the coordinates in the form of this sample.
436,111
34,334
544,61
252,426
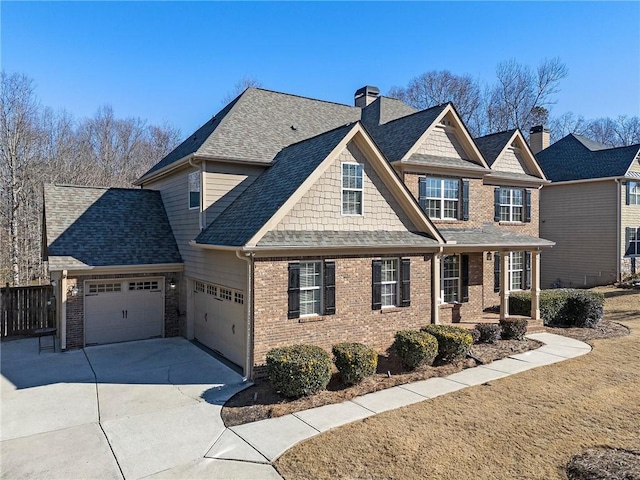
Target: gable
635,165
320,207
511,161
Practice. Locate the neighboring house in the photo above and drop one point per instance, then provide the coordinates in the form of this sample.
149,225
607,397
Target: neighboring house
592,212
304,221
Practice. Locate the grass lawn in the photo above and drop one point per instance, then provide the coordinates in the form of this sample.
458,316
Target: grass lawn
525,426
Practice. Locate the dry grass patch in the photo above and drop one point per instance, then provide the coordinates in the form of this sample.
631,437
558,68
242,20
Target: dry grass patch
525,426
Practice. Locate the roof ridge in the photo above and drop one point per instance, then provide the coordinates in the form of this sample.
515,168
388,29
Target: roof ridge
98,187
302,96
512,130
441,106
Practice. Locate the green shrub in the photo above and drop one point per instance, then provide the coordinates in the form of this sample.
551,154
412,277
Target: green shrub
562,307
453,342
299,370
354,361
513,328
414,348
489,332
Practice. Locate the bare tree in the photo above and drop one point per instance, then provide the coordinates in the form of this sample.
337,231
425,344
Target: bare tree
619,132
565,124
18,147
240,86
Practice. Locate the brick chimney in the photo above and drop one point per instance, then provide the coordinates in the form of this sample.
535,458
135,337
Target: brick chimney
539,138
366,95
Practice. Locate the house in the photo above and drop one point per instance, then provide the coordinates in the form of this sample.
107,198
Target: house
296,220
591,210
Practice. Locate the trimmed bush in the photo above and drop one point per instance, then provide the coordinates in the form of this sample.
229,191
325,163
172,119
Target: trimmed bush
562,307
453,342
489,332
354,361
475,334
299,370
513,328
414,348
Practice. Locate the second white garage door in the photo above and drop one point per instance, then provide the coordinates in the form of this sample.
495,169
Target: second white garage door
120,310
220,320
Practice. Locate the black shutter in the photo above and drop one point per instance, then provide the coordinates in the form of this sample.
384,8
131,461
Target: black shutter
527,205
496,204
628,193
329,288
294,290
527,271
496,272
405,287
422,193
376,284
464,199
465,278
627,241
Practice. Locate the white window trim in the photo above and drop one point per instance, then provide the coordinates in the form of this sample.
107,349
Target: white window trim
512,270
442,279
637,242
634,197
343,189
315,287
442,199
197,173
396,302
511,205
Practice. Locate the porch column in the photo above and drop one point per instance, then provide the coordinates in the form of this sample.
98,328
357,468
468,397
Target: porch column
535,285
504,285
435,288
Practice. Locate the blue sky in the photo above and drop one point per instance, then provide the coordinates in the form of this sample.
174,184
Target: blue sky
175,61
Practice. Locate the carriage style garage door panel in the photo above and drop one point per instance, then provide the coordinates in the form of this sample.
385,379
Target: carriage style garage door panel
220,320
120,310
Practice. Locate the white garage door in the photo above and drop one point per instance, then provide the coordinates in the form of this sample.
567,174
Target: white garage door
123,310
220,320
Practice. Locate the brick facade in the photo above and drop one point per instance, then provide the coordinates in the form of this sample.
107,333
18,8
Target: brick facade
174,324
354,319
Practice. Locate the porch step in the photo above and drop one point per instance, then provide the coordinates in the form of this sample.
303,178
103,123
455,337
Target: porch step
535,326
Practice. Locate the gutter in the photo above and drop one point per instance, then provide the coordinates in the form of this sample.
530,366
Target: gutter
248,365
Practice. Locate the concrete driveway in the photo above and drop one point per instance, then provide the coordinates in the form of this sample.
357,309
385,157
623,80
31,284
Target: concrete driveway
127,410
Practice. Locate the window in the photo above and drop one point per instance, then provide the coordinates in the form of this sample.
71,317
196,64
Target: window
238,297
351,189
389,283
519,271
225,294
104,287
450,278
310,283
633,242
440,199
312,289
633,193
198,287
212,290
153,285
194,190
511,205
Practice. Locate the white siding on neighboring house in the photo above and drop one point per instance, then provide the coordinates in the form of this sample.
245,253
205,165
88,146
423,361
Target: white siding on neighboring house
442,142
510,161
223,184
321,207
581,218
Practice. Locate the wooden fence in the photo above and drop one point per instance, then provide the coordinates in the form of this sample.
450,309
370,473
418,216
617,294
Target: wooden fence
24,309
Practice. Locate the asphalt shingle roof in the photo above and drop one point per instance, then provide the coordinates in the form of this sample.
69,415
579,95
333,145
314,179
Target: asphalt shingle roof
384,110
491,236
447,162
309,239
570,159
491,145
262,199
92,227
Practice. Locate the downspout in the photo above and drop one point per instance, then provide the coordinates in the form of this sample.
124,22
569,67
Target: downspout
63,310
248,362
618,229
436,286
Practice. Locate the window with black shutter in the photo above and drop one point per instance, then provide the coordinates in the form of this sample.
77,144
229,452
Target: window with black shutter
376,284
527,271
465,200
329,288
527,205
294,290
465,277
496,204
405,288
496,272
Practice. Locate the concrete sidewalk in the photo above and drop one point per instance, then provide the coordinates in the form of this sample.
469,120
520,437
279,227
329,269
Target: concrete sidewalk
265,440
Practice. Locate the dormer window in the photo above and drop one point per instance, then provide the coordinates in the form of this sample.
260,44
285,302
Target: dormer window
351,189
444,198
194,190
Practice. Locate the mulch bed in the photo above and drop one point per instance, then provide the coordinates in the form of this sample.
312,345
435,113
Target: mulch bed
261,401
605,329
604,463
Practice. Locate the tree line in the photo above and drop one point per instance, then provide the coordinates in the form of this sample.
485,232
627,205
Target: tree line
39,145
519,97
